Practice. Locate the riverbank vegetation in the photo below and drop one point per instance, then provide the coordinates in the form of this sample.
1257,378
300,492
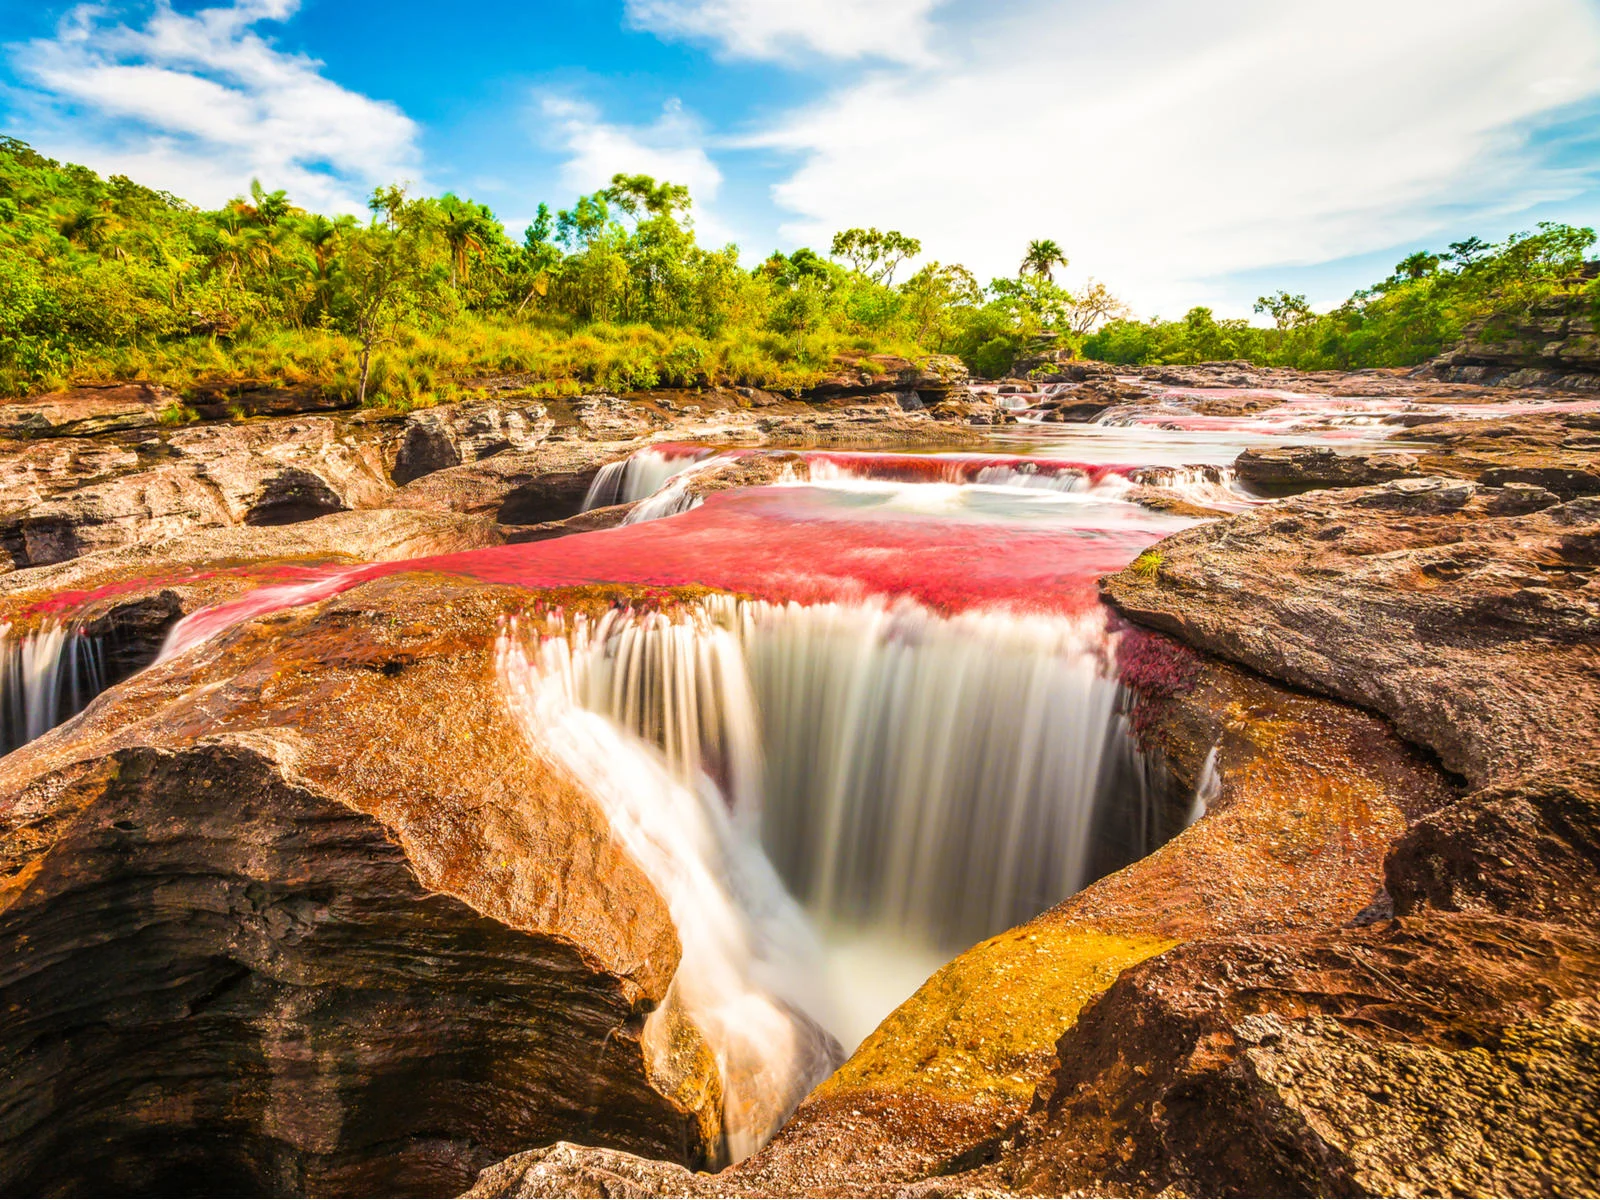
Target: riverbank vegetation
107,279
1419,311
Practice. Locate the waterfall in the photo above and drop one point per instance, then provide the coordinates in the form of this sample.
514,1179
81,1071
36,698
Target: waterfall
641,474
935,775
45,677
1210,486
939,776
750,963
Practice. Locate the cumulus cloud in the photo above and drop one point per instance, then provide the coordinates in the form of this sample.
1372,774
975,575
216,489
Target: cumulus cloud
786,29
1165,143
201,103
672,147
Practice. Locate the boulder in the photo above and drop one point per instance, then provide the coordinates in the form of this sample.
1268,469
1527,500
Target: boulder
1280,470
257,941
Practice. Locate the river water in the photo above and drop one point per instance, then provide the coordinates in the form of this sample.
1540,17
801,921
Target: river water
894,730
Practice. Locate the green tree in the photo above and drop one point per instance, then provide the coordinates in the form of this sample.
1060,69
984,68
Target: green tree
874,254
1042,258
386,278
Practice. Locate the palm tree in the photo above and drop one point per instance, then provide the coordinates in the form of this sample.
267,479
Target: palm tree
1042,258
86,225
466,227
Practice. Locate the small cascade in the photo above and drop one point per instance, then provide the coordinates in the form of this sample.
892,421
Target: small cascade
1207,788
750,966
641,474
674,498
1207,486
45,677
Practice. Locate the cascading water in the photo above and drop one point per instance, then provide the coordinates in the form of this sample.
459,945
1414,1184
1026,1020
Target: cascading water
1208,486
46,677
918,781
750,966
641,474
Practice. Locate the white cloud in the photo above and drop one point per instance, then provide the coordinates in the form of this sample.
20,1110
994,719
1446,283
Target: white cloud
789,29
201,103
1163,143
673,148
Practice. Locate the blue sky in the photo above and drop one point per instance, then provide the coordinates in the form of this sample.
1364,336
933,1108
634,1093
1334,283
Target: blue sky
1184,153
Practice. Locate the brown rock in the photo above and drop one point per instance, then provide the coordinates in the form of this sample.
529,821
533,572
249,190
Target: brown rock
1530,849
1428,1054
85,410
258,941
1280,470
1475,629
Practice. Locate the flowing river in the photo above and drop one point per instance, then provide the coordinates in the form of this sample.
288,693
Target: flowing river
884,725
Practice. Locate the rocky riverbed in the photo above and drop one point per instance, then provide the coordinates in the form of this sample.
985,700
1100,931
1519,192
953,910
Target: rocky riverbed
304,906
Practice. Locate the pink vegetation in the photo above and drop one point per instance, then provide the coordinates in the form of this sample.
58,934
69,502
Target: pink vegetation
775,544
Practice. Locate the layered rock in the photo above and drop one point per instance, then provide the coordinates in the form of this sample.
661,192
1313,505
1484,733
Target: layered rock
257,941
1556,451
1554,344
98,468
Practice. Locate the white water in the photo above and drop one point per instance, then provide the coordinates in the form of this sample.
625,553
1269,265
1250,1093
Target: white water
641,474
919,782
1207,788
45,677
1208,486
749,978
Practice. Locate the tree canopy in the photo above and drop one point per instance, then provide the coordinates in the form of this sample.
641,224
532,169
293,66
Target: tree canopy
105,278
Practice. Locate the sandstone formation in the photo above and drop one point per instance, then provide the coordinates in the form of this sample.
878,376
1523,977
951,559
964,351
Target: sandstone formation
98,468
257,941
1555,344
1467,614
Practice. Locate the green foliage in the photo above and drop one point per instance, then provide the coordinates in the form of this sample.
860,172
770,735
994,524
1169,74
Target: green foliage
105,279
1148,565
1414,314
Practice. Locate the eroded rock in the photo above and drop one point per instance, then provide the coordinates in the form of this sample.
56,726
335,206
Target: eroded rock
1468,616
259,941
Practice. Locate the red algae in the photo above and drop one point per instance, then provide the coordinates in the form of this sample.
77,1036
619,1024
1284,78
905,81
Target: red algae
73,601
775,544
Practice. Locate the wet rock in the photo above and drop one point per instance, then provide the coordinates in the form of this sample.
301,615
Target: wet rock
241,958
107,589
